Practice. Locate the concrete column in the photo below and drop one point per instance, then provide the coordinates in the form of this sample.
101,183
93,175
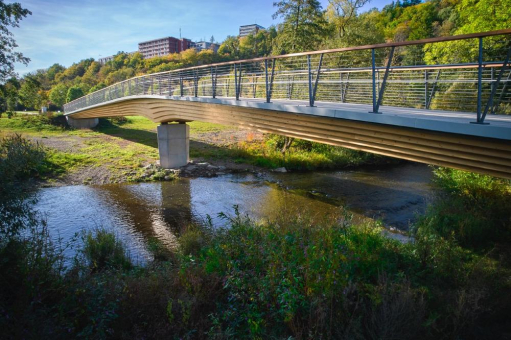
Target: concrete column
82,123
173,145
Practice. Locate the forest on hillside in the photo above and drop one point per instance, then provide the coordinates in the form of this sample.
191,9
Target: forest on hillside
305,26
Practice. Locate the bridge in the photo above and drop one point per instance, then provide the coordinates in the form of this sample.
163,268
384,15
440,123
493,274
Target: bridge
454,110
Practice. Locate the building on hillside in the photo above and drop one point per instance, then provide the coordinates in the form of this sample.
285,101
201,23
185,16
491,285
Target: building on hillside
250,29
163,46
205,45
105,60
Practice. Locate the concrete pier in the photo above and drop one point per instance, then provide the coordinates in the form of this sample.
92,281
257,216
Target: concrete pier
173,145
82,123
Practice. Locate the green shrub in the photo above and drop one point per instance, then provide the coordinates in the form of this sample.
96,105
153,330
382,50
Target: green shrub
19,160
473,209
102,251
45,122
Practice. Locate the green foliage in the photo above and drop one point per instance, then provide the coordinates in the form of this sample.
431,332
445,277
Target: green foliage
103,251
97,87
301,155
58,94
73,93
29,93
10,16
19,160
471,208
303,26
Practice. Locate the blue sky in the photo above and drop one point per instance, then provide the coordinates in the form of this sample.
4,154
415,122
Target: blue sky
66,31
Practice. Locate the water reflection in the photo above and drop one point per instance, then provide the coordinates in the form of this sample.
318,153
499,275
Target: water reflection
138,212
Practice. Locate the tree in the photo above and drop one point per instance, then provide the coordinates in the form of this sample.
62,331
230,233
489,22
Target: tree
30,93
97,87
10,94
304,26
54,70
212,39
73,93
10,16
342,12
58,94
230,47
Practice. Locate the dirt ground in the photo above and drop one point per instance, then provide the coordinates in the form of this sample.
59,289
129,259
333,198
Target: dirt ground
108,171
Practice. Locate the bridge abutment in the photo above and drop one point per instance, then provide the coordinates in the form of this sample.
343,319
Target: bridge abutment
173,145
82,123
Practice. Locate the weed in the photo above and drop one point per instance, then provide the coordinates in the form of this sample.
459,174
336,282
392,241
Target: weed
103,251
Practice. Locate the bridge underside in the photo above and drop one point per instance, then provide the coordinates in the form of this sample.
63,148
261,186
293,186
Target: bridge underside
474,153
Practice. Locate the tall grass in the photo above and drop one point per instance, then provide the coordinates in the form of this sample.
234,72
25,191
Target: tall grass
473,209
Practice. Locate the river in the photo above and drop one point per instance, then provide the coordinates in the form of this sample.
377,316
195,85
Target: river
137,212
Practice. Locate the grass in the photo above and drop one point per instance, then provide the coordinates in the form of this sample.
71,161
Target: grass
473,209
125,144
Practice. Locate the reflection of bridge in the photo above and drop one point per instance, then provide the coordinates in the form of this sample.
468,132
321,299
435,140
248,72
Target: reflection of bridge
335,97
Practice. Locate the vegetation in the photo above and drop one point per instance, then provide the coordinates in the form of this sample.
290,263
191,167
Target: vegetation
473,209
280,279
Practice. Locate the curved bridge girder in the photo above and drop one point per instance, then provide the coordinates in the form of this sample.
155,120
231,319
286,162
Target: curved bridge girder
477,154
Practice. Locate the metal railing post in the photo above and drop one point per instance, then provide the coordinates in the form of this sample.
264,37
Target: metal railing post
270,85
479,82
267,88
433,90
384,82
309,73
254,86
426,88
213,82
195,84
373,68
312,98
181,90
495,85
236,83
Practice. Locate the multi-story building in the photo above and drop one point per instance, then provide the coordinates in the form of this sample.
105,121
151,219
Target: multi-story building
250,29
163,46
205,45
104,60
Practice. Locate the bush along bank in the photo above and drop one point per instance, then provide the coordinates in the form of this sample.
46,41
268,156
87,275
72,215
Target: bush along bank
289,279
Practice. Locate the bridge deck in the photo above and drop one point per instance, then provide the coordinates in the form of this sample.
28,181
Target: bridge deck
499,126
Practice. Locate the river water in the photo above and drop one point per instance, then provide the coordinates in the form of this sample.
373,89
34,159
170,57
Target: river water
137,212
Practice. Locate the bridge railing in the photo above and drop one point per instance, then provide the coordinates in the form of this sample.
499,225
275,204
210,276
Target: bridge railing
459,73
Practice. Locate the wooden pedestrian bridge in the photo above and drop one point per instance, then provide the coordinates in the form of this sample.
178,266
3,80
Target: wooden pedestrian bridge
453,110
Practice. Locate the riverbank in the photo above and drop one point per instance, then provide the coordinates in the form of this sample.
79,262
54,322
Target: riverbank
125,150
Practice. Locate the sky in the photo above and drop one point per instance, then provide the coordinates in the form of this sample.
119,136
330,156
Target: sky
67,31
